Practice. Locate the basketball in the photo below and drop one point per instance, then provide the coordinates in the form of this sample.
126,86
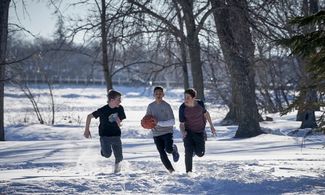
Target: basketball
148,122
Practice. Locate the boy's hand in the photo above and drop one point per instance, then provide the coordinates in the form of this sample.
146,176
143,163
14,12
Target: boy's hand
182,128
118,121
213,130
87,133
184,134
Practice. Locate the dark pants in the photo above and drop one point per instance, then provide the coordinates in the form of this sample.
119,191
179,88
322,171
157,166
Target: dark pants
109,143
193,143
164,144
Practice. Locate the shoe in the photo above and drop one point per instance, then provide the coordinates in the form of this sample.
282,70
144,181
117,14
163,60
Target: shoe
171,170
117,167
189,173
175,153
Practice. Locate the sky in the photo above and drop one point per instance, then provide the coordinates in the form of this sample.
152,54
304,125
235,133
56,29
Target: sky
36,17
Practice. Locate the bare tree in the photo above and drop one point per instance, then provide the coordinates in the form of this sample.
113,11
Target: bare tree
104,31
182,46
192,33
232,25
4,11
193,43
103,17
26,90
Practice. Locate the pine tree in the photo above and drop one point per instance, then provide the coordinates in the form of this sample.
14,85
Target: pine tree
310,45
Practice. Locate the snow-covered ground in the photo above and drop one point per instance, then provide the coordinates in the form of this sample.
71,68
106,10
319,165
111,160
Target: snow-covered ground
44,159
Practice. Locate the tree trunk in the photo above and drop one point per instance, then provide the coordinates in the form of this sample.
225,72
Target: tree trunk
4,11
308,120
301,102
193,47
182,46
104,32
231,117
238,50
306,112
184,65
308,95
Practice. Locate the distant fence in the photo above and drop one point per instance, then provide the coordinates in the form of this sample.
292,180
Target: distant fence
76,80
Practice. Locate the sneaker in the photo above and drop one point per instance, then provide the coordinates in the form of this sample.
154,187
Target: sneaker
117,167
175,153
189,173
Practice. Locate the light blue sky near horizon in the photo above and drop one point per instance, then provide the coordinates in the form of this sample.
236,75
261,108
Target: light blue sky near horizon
38,17
35,16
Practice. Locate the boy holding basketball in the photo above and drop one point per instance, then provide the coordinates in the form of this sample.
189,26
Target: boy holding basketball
163,131
110,117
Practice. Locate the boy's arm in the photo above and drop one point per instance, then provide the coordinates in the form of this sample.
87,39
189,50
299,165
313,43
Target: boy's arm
87,133
167,123
182,128
121,116
208,117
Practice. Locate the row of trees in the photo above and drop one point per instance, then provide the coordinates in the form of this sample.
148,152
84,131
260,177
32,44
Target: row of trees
59,60
230,43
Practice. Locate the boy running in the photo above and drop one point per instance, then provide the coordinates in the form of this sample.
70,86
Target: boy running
163,132
110,117
192,118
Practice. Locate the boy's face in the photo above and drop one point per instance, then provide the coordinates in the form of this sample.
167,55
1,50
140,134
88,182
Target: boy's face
115,102
159,94
188,99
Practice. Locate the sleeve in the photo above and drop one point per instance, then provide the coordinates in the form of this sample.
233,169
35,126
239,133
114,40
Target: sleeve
201,103
170,112
168,123
121,113
97,113
148,112
181,113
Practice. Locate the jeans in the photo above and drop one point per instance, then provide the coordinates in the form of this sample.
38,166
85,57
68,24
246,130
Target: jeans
164,144
111,143
194,143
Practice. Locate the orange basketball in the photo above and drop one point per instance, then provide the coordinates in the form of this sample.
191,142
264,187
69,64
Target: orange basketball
148,122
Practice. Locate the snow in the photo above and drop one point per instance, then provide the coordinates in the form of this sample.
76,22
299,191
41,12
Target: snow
45,159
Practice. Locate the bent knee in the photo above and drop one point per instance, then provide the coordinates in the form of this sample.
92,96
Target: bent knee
106,155
200,154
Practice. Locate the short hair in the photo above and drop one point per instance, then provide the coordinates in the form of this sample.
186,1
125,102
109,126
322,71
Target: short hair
158,88
192,92
112,94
